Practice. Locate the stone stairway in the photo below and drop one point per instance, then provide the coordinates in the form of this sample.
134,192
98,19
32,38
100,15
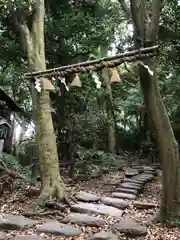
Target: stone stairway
89,205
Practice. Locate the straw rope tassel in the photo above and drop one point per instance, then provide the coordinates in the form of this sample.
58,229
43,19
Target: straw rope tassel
115,77
76,82
46,84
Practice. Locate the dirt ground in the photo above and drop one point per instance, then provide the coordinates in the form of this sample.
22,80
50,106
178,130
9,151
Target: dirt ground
15,202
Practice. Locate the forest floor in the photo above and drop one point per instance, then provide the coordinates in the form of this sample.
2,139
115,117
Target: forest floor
15,203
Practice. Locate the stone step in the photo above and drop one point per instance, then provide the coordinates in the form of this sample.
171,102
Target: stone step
124,195
150,172
130,172
115,202
96,208
145,180
56,228
130,227
16,222
84,220
144,177
131,186
3,236
127,190
26,237
144,205
87,197
141,182
103,235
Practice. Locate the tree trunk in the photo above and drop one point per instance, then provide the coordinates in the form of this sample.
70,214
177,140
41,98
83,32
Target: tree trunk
109,105
110,112
51,182
21,137
9,140
170,203
52,185
146,29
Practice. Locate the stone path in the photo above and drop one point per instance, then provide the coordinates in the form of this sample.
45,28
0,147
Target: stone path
81,212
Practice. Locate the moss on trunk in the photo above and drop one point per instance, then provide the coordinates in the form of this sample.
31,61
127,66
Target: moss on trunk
52,184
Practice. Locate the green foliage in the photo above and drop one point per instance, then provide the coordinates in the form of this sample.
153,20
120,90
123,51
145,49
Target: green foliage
74,30
173,223
13,164
88,160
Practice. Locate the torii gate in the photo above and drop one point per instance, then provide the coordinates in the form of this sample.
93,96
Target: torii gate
95,65
42,79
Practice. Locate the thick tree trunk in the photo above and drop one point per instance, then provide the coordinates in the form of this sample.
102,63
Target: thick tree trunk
52,185
170,203
110,112
51,182
145,32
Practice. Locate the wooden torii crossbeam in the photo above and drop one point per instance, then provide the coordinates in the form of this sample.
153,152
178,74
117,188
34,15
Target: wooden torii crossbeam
95,65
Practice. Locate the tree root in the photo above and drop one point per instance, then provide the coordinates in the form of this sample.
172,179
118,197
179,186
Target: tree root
42,214
53,196
53,204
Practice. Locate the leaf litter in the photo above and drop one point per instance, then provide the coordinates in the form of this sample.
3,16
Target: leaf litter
15,202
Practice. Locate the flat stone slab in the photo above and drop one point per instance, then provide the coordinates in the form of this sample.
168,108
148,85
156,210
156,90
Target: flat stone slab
130,227
137,184
54,227
127,190
124,195
115,202
28,237
147,168
141,182
84,220
151,172
130,172
96,208
3,236
16,222
144,177
144,205
130,186
87,197
103,235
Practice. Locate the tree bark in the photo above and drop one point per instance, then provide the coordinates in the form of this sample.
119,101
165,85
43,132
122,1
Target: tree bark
51,182
109,104
110,112
147,29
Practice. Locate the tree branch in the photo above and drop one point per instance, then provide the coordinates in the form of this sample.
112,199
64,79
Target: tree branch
157,6
125,8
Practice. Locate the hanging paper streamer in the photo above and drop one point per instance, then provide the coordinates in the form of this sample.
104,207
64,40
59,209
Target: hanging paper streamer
147,67
38,84
97,82
63,80
46,84
76,82
115,78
